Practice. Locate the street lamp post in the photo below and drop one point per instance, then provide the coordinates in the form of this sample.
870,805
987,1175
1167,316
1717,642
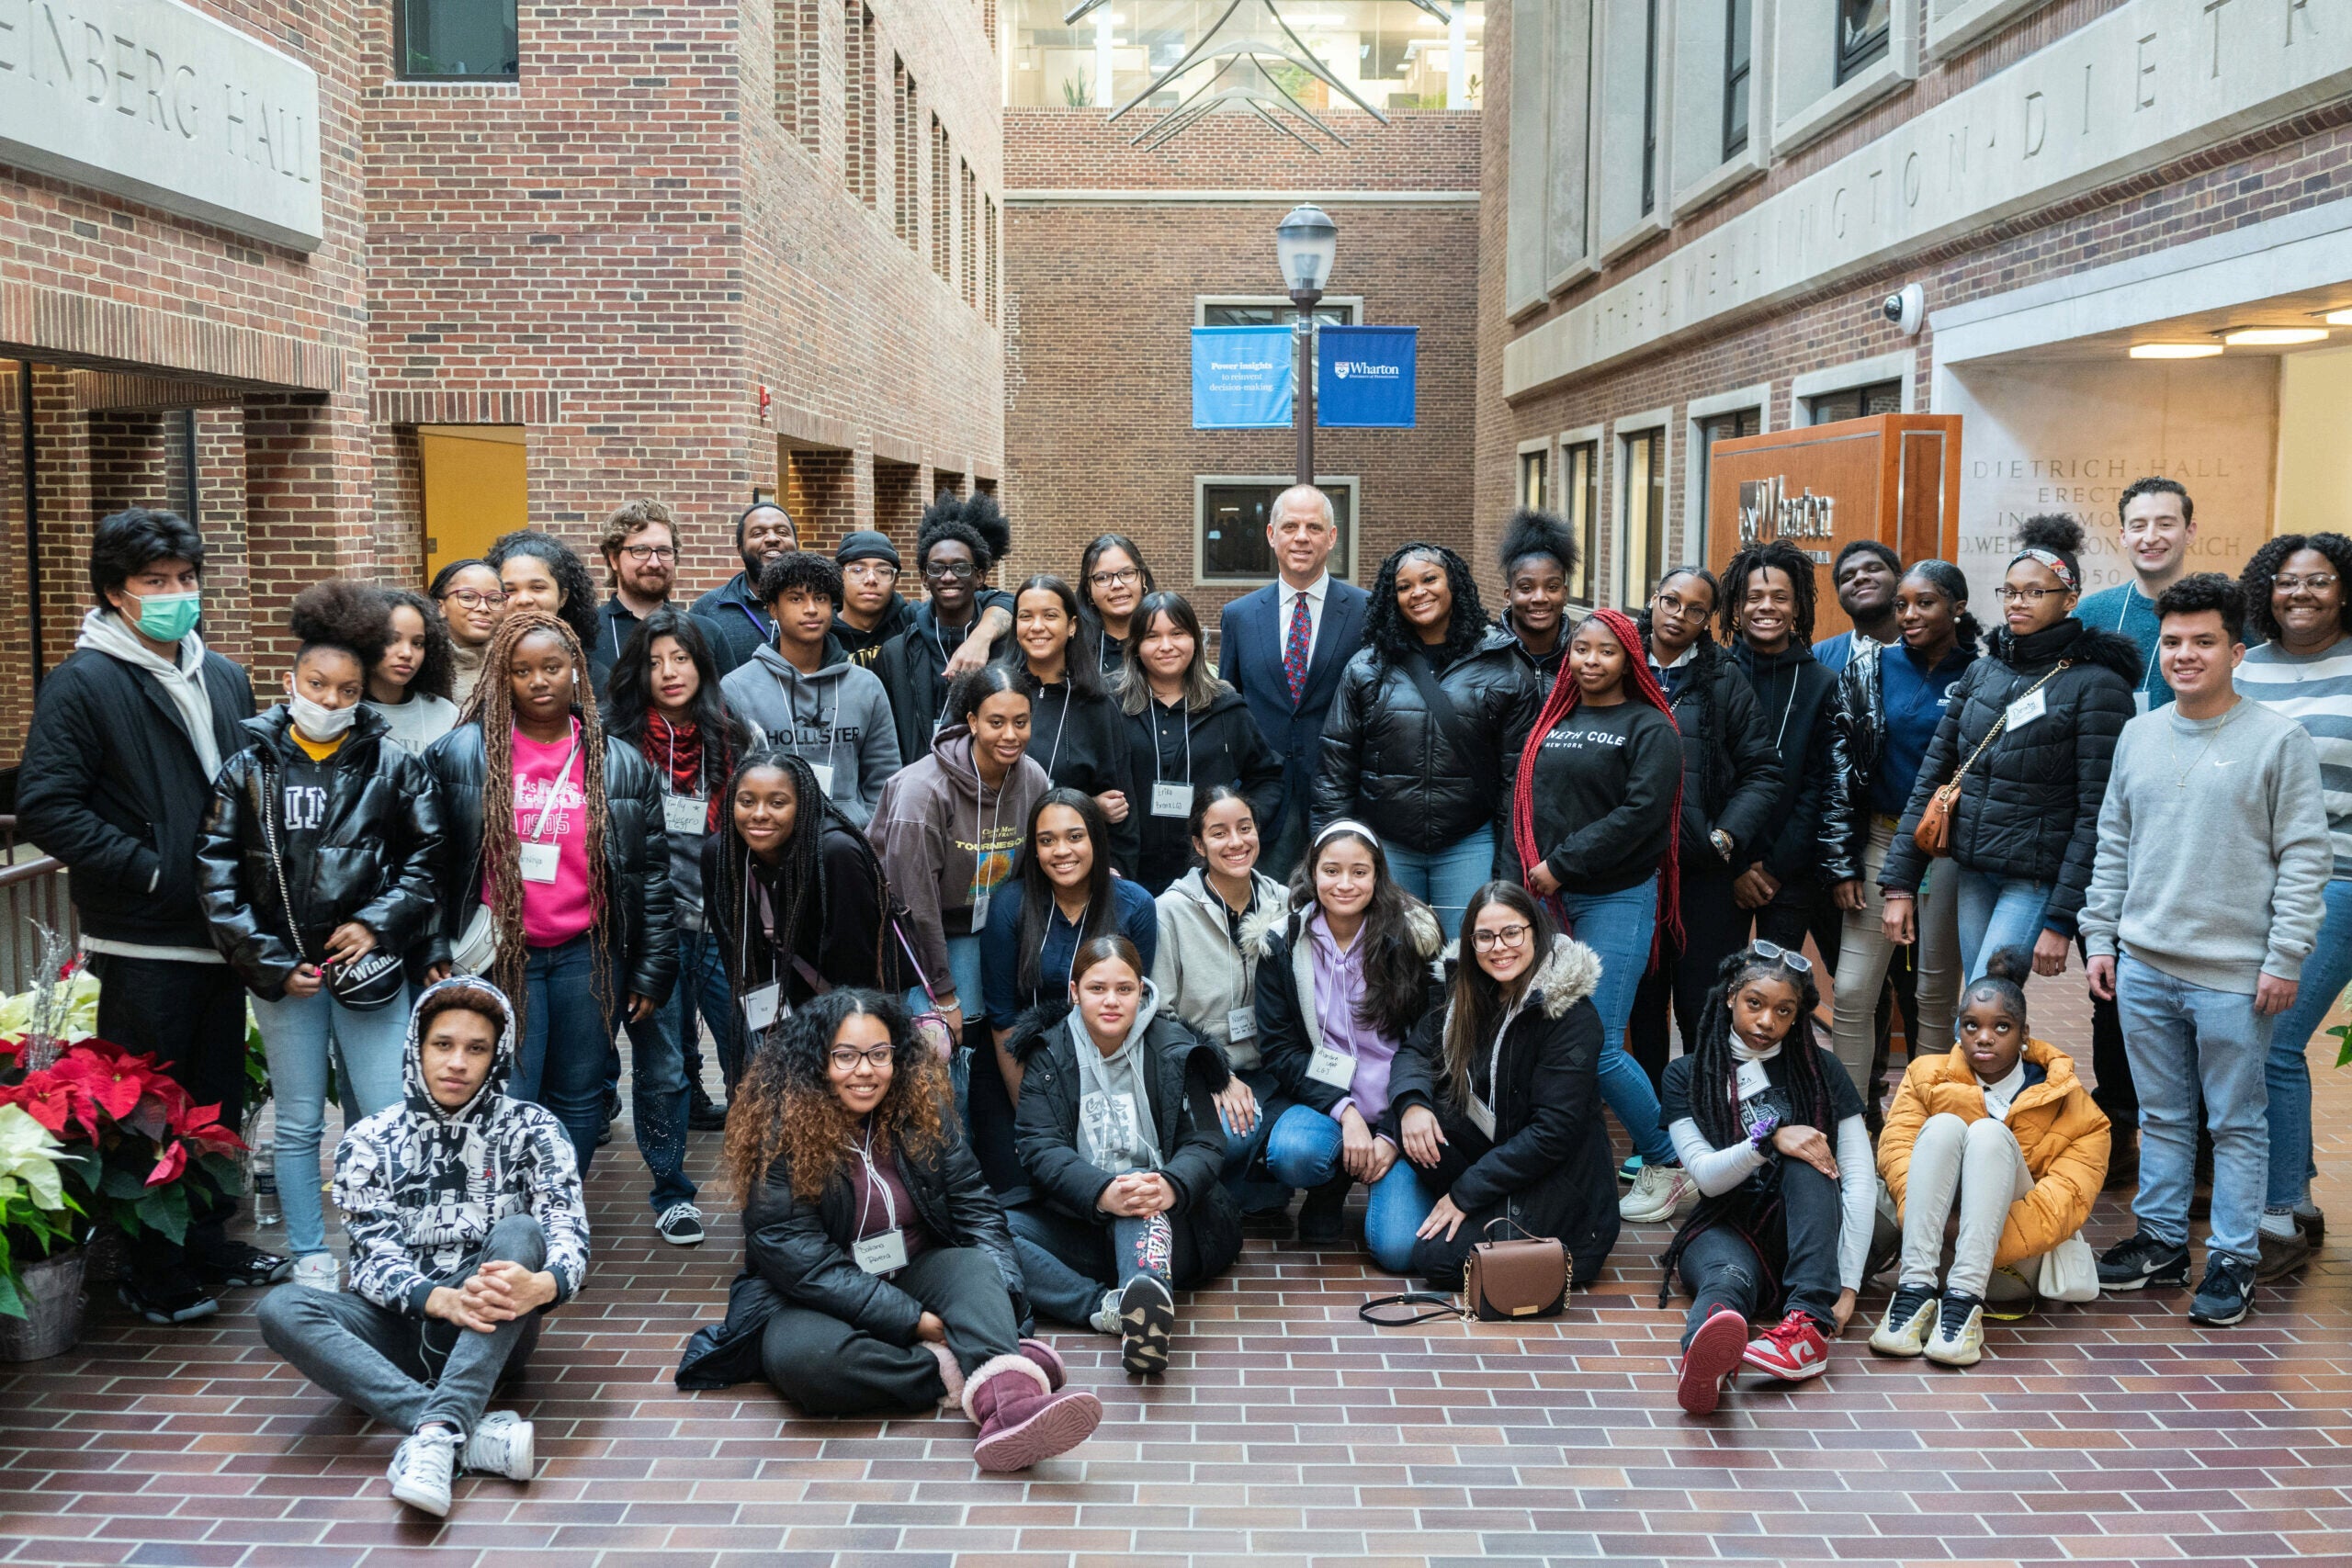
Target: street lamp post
1305,242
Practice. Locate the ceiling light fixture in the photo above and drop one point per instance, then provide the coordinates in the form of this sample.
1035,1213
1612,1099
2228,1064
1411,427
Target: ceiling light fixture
2175,350
2338,318
2272,337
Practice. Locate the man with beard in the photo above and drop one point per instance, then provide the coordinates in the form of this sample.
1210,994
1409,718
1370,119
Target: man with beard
640,548
736,621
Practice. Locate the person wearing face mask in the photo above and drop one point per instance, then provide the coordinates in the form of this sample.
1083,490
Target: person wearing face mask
1187,731
319,865
116,781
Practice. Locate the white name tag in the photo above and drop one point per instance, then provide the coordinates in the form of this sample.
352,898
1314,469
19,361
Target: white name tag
1482,1116
824,772
2141,702
979,912
883,1254
540,861
2027,708
684,813
1332,1066
760,1007
1172,800
1241,1025
1753,1081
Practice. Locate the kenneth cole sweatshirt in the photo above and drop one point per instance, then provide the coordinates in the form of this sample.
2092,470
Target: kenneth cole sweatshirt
838,718
2212,848
1604,796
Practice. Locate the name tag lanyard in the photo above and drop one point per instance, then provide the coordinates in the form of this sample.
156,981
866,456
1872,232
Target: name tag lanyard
2141,696
537,835
669,780
1164,803
825,773
947,689
761,1004
982,842
1482,1111
884,1252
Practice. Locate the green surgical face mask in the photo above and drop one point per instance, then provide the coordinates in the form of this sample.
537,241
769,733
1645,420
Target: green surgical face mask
167,617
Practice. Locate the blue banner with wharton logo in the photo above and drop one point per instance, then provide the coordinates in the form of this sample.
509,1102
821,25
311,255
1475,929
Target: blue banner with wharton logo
1366,380
1241,378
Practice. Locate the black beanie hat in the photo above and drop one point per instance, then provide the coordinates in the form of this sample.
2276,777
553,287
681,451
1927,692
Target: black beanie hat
867,545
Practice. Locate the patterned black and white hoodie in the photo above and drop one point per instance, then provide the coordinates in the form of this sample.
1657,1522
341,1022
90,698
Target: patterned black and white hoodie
421,1186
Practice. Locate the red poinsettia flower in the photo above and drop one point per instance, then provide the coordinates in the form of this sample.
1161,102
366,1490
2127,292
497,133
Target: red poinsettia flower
116,1085
170,1167
202,1128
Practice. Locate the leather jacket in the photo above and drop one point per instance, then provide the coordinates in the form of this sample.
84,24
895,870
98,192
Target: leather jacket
1857,741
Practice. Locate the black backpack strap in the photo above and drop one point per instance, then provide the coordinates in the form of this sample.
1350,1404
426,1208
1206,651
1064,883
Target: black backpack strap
1442,1305
1449,719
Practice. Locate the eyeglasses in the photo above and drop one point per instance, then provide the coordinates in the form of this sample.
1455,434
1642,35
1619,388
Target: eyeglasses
1126,577
2318,583
845,1059
475,599
1487,940
880,570
643,553
2026,595
950,572
1675,605
1774,952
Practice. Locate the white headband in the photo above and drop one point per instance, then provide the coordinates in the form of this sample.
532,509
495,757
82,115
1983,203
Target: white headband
1347,825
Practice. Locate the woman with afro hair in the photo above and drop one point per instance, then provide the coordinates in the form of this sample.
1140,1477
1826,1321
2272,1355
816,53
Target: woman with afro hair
1426,726
1539,561
318,866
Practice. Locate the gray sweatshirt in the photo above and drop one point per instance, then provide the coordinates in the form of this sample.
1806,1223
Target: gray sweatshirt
1200,970
2213,851
837,718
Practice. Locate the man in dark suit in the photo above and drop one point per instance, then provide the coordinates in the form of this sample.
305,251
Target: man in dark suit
1283,647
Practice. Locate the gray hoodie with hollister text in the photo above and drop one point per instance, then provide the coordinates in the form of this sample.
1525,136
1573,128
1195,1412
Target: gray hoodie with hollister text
837,718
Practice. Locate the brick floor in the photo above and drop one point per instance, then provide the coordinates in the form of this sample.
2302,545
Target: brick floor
1287,1432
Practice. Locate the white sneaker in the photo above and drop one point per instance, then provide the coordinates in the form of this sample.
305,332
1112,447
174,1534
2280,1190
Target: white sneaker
421,1470
1657,1193
1106,1317
318,1270
502,1444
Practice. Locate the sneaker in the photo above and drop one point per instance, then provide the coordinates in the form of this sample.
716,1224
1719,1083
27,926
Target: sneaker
318,1270
1106,1317
184,1306
233,1266
502,1444
1910,1318
2144,1262
1709,1360
2226,1293
703,1115
1323,1217
1791,1350
1631,1169
1657,1193
681,1226
1959,1339
422,1467
1147,1316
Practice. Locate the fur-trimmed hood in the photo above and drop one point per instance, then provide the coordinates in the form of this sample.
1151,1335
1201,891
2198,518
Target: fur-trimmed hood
2086,645
1569,973
1259,930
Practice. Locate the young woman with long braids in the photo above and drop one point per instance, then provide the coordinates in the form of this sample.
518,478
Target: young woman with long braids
1187,731
1592,832
558,837
472,600
1344,973
1077,733
1426,724
408,686
1771,1128
879,1274
1112,581
323,810
662,696
539,572
1497,1100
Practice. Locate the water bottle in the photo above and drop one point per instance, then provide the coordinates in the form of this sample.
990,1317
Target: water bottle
266,1211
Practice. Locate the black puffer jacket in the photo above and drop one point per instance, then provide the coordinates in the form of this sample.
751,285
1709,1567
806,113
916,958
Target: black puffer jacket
1857,723
2029,806
1388,763
1731,776
373,854
797,1254
637,859
1792,693
1187,1074
1547,1166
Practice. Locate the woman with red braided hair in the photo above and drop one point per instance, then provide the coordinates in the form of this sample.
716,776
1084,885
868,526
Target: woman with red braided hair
1592,834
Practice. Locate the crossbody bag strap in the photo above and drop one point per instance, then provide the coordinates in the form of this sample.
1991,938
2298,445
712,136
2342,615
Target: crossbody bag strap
1438,1305
808,972
2003,722
1442,709
266,786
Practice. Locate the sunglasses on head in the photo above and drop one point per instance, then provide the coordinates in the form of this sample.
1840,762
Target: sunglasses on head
1772,952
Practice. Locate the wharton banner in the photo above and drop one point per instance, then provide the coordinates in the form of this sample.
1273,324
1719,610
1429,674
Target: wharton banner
1366,377
1241,378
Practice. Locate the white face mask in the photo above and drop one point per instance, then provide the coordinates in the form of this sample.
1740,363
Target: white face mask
319,723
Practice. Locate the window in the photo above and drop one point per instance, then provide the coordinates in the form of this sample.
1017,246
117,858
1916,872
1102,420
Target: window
943,202
1862,32
1641,516
859,131
1855,403
1580,506
1535,479
904,123
968,189
1649,108
987,242
457,40
1715,428
799,55
1738,28
1230,522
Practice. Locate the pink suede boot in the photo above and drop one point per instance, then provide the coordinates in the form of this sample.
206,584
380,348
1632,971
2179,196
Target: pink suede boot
1022,1419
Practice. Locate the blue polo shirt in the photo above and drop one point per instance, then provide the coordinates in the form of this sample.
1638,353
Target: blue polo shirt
1913,696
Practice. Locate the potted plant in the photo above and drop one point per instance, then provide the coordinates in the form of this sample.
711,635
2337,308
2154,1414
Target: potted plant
41,1267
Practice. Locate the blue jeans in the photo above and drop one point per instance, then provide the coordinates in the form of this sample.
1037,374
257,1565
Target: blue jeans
1618,928
2325,974
1400,1200
370,1048
1302,1147
1302,1150
1996,912
1245,1151
566,1038
704,993
1444,878
964,966
2182,1038
1068,1263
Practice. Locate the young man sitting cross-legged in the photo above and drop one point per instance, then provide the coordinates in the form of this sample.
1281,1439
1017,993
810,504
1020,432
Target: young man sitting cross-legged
466,1222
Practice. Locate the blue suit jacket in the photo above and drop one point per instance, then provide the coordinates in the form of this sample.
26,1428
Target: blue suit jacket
1250,659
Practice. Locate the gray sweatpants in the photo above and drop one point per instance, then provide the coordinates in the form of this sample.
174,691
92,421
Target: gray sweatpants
403,1370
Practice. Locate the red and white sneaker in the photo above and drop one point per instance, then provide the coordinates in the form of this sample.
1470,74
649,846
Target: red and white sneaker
1712,1357
1791,1350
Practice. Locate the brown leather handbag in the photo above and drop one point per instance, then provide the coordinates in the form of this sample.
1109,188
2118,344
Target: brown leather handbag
1933,834
1502,1281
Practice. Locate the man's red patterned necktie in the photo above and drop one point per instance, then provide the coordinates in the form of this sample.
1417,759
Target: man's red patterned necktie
1294,647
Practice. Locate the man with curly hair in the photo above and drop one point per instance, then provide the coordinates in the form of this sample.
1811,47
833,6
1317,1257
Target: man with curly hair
805,696
639,545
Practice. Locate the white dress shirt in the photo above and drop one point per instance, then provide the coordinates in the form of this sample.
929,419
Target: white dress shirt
1285,608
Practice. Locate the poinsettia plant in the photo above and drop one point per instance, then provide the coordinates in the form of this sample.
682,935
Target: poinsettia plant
35,1212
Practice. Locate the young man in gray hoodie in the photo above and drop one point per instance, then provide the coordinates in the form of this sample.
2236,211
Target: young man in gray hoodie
2205,899
803,694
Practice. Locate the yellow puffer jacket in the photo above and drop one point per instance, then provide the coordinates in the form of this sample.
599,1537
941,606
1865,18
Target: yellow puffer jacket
2062,1133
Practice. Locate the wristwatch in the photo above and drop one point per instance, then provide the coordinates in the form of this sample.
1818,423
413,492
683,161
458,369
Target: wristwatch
1722,840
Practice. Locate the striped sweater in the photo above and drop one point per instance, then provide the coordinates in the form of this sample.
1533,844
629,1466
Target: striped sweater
2315,691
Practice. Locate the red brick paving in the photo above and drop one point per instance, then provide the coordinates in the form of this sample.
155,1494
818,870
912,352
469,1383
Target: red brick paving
1288,1432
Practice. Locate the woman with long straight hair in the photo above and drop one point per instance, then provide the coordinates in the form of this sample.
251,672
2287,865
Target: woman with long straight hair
556,886
879,1276
1112,580
1497,1100
662,696
1187,731
408,685
1077,733
1426,724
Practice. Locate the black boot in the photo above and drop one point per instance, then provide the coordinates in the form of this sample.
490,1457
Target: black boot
1322,1218
2124,1160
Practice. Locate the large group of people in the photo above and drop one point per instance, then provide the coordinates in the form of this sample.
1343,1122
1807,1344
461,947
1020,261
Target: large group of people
1043,955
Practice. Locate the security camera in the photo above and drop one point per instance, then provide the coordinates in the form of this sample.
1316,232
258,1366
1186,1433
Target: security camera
1907,308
